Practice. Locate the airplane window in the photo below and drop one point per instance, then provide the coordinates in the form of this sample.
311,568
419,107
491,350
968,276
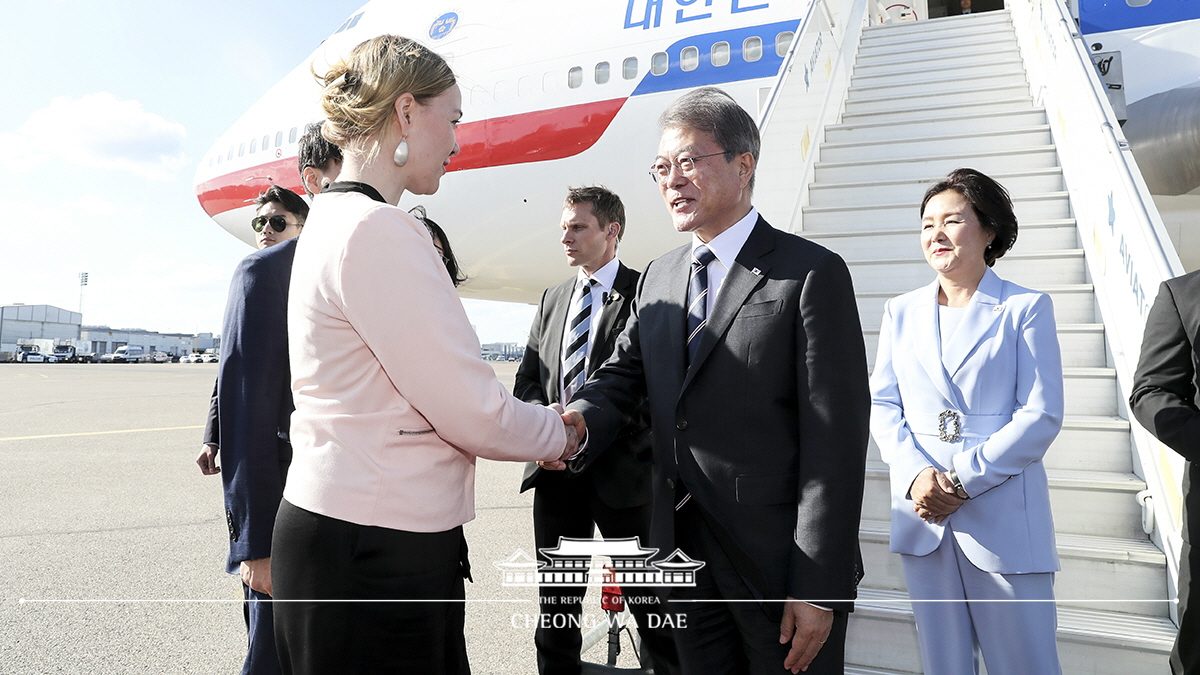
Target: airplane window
752,49
279,139
241,149
266,142
218,160
602,72
783,42
689,58
253,145
550,82
504,90
658,63
354,21
292,135
525,87
575,77
1137,3
230,155
720,54
629,68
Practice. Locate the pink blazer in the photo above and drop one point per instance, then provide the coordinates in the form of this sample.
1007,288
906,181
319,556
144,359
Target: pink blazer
393,403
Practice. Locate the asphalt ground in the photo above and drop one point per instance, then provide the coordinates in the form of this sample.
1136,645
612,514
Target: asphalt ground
112,543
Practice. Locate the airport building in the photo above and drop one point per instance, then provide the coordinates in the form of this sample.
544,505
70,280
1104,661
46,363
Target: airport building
21,324
102,340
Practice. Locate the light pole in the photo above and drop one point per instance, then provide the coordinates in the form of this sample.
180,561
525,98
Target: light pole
83,279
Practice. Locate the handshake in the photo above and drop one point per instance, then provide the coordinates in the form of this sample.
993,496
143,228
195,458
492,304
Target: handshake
576,432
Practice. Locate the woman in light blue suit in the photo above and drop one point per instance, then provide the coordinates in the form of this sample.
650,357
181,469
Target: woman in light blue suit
967,395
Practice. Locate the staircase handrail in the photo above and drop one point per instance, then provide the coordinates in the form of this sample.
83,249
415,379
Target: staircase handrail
788,165
1127,249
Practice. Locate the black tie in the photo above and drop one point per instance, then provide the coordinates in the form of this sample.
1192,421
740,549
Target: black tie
575,350
698,298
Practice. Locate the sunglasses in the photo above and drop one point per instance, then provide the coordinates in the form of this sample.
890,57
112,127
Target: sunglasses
277,223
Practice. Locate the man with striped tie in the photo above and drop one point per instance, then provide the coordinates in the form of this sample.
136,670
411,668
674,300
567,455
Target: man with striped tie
746,344
574,330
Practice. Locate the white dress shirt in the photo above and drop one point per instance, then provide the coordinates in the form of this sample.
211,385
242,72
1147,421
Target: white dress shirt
725,247
604,277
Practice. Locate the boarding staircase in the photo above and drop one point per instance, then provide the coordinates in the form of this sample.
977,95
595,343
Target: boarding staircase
924,98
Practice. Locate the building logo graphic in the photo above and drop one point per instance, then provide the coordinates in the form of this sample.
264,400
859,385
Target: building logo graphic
571,562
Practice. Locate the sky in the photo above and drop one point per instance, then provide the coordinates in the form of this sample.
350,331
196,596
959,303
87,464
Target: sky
106,111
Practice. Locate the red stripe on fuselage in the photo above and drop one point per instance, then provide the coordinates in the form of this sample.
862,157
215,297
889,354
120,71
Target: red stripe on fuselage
516,139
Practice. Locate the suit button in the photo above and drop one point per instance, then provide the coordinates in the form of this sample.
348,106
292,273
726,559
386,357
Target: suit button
681,424
671,483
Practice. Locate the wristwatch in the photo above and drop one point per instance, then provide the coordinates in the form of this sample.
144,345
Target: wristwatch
958,486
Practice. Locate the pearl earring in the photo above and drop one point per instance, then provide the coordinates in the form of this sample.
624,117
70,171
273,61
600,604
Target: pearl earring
401,155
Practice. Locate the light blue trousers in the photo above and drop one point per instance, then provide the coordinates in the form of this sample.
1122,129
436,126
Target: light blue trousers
966,616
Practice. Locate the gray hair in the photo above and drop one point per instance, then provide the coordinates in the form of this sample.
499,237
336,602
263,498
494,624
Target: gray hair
714,112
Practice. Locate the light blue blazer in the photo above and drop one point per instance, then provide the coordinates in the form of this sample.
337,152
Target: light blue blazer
1000,374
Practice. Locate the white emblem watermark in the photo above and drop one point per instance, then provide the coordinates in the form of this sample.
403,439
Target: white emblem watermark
573,562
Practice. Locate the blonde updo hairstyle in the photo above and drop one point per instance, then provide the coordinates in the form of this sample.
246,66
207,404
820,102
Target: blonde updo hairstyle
360,91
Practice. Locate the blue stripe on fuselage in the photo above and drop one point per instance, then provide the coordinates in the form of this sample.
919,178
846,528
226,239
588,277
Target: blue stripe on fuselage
1102,16
706,73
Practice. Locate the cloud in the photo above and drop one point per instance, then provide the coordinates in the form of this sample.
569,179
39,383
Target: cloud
101,132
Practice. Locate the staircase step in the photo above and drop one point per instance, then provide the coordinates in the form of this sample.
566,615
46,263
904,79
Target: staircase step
1073,304
992,21
1045,206
1036,181
1090,391
883,131
961,55
975,94
1039,235
1132,572
1082,345
939,85
916,110
882,635
997,161
1094,503
1032,270
933,40
920,74
909,148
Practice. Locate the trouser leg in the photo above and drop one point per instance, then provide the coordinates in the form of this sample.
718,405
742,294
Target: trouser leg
261,657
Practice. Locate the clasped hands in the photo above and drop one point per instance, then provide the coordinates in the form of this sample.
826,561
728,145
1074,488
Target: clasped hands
934,496
576,429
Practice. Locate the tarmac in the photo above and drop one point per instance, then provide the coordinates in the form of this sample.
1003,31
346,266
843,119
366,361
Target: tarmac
113,543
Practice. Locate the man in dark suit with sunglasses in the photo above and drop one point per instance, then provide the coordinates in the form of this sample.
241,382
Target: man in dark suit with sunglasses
250,411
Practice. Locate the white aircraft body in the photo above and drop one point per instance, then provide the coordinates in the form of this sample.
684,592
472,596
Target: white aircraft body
559,94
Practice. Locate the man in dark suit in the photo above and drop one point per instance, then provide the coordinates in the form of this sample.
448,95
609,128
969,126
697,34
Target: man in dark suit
250,412
574,330
747,344
1165,399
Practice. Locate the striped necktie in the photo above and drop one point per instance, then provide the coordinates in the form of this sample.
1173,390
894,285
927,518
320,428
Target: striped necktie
576,345
698,298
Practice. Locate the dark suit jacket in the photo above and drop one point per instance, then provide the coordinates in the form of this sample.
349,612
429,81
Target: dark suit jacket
253,403
1165,386
622,474
768,427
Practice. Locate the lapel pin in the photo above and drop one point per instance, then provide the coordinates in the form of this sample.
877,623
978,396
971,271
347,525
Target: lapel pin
756,272
998,308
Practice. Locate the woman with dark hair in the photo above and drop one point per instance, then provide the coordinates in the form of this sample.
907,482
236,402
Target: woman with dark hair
967,395
441,243
393,403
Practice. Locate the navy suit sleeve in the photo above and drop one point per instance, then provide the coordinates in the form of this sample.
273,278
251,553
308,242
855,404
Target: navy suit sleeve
1163,386
212,428
528,383
615,391
834,412
255,395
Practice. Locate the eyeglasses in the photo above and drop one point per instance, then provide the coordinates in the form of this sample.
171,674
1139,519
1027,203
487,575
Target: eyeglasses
686,166
277,223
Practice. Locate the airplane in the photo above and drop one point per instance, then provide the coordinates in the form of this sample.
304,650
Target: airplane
557,94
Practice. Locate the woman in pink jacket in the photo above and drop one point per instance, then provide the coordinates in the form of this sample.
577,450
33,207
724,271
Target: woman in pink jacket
393,403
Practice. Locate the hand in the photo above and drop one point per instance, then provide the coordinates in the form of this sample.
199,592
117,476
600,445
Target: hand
208,460
933,496
257,574
807,628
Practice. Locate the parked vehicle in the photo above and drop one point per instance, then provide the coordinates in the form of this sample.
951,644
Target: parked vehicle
209,358
125,354
191,358
28,354
69,354
160,357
